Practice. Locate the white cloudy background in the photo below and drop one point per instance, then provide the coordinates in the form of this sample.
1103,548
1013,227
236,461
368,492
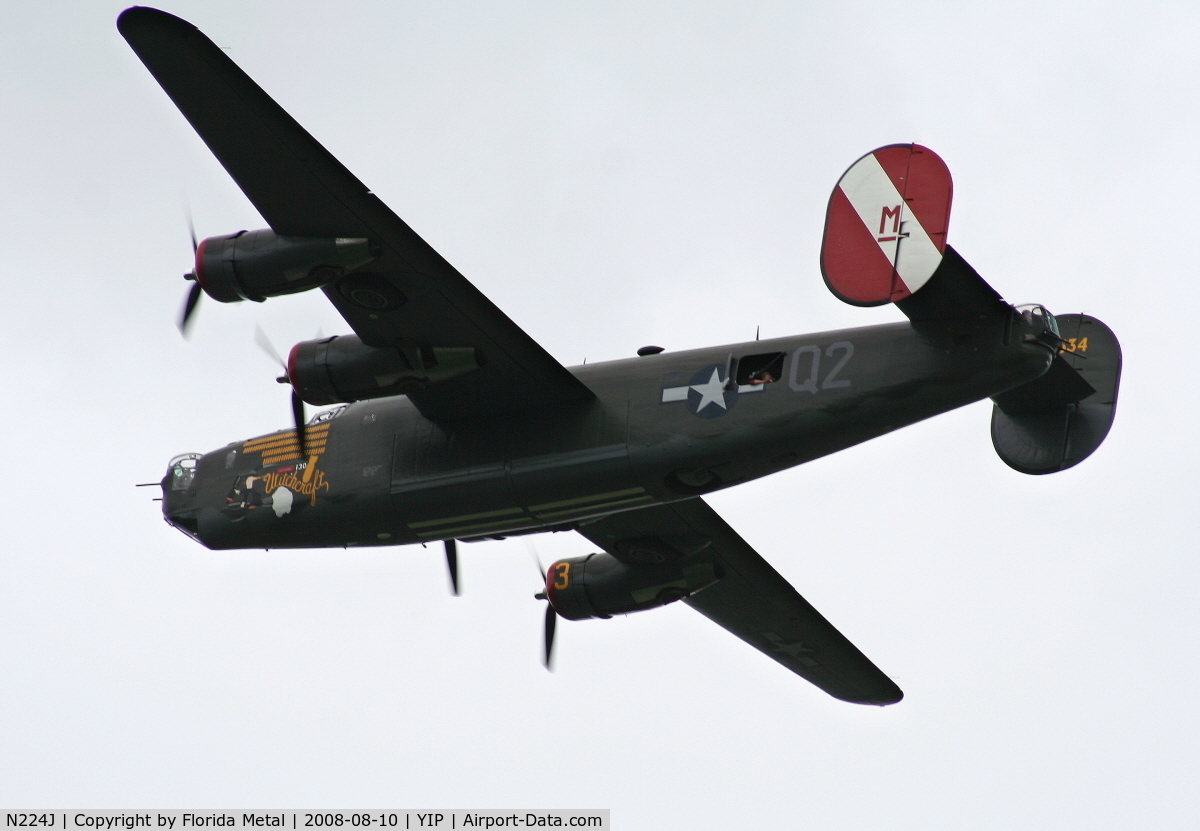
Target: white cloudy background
611,175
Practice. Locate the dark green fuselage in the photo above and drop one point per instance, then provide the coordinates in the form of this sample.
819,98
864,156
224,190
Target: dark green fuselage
660,429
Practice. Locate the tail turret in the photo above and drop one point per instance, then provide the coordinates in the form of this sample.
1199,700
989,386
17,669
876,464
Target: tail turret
1058,420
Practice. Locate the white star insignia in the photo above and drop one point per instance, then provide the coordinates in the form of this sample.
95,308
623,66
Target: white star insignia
711,392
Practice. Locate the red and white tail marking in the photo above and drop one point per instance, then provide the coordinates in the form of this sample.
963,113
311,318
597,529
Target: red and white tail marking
885,230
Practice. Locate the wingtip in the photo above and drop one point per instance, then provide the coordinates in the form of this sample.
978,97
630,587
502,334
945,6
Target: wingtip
879,697
885,700
136,17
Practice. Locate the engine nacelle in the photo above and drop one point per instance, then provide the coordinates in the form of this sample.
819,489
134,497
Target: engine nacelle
342,369
600,585
255,265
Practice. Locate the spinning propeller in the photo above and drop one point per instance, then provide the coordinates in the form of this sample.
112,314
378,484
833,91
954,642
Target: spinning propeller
551,615
193,295
452,564
264,343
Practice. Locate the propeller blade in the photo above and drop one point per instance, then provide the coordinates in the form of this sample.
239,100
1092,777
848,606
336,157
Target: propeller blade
264,343
193,295
551,615
452,564
298,417
548,655
191,230
537,561
189,308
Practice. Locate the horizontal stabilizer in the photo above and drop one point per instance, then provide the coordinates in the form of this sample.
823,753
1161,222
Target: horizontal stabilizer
955,299
1059,419
1059,387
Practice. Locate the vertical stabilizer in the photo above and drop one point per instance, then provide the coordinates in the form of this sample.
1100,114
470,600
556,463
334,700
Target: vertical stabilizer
885,229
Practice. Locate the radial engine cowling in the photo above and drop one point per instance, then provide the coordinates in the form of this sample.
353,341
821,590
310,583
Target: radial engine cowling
342,369
255,265
600,585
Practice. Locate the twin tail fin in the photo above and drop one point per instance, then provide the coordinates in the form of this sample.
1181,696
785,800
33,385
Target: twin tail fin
885,242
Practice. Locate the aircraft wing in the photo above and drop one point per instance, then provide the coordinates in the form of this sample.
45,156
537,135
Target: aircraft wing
302,190
752,600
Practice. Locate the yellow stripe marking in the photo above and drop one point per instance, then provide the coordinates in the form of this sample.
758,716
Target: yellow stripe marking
283,433
289,452
604,506
270,458
594,498
283,448
466,517
277,446
290,434
480,527
283,442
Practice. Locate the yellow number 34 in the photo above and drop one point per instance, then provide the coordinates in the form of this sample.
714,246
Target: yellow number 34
1074,345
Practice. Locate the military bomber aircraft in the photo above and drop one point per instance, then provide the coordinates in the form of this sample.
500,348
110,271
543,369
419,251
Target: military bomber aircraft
452,424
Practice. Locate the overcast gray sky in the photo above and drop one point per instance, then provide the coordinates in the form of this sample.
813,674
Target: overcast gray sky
611,175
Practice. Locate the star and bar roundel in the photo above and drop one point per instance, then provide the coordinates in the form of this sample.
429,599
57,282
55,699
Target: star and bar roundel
885,230
707,394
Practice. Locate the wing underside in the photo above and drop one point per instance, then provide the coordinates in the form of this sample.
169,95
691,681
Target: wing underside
752,600
302,190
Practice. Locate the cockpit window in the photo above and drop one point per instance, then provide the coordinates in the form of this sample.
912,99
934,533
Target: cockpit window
183,471
756,370
327,415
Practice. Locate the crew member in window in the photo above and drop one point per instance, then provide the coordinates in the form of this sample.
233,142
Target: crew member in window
243,497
